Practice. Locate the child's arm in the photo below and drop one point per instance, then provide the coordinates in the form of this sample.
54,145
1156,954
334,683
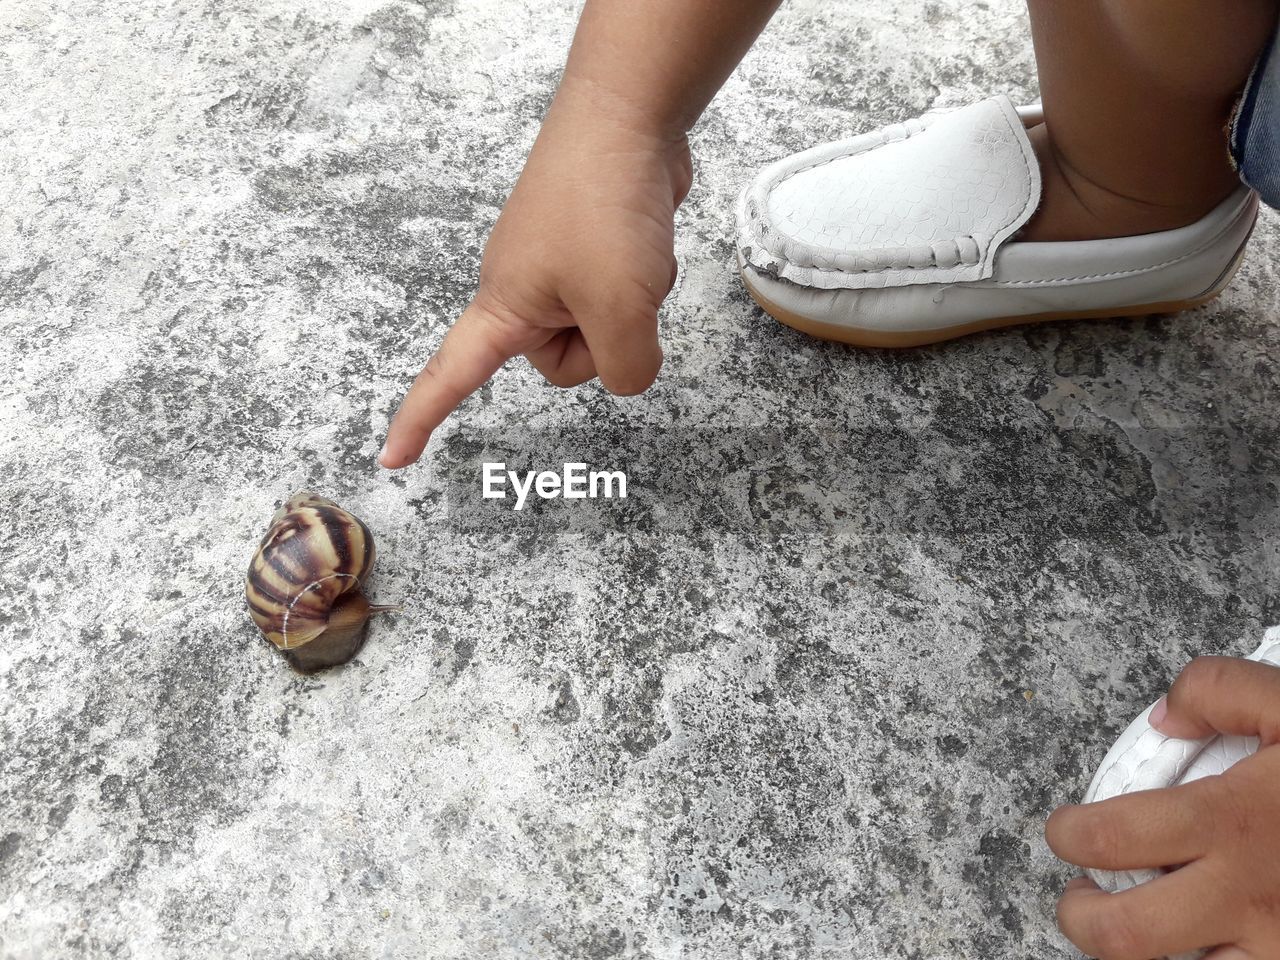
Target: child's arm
1223,834
581,257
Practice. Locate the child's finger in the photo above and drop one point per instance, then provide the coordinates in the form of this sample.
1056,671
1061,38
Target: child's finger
1080,883
1222,695
472,351
1153,828
564,359
1177,913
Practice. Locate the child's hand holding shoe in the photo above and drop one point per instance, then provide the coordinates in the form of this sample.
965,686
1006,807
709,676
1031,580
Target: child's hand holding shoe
1222,834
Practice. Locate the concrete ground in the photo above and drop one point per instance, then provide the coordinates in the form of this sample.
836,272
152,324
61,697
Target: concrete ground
811,691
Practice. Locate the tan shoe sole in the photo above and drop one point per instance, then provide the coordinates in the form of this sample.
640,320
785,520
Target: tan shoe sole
892,339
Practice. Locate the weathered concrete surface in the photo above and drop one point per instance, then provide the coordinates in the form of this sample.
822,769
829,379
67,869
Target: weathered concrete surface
230,232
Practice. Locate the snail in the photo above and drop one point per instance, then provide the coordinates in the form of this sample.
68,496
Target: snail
304,584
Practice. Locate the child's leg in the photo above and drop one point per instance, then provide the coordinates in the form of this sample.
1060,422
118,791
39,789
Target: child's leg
1137,94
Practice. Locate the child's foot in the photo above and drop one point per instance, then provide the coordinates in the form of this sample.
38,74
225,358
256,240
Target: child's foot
1075,207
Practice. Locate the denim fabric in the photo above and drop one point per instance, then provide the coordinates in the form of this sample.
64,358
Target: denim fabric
1255,132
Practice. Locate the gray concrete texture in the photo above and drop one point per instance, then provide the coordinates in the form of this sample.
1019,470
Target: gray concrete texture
820,707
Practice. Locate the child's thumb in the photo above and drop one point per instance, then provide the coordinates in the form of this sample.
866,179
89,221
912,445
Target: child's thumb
1222,695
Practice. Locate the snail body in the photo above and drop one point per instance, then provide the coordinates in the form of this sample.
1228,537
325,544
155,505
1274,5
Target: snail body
305,582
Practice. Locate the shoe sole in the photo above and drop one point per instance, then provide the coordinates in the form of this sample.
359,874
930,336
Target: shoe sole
887,339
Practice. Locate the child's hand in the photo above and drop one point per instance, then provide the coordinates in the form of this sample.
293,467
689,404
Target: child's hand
573,274
1223,834
581,257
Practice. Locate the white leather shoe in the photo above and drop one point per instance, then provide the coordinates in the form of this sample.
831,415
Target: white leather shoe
907,236
1145,759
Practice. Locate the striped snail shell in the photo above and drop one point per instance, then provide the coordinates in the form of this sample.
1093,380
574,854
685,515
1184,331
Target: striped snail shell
304,585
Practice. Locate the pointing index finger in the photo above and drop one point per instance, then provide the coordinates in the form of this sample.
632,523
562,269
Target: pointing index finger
473,350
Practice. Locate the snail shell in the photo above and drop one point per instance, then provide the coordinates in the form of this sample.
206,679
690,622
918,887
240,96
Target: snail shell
304,585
